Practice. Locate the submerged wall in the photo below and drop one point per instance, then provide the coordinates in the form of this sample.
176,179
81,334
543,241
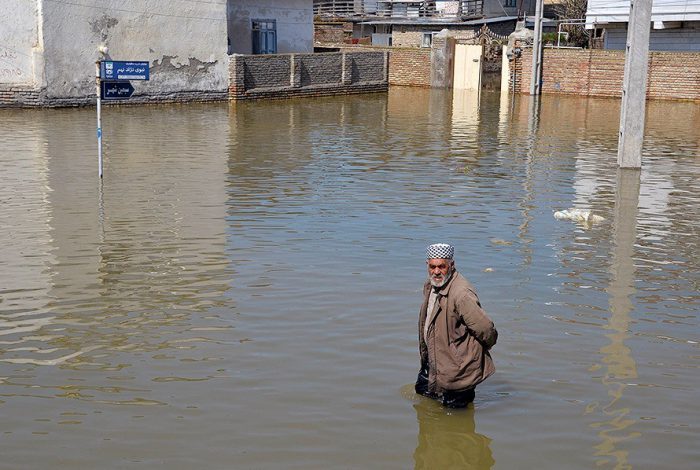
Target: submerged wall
185,43
595,72
21,52
291,75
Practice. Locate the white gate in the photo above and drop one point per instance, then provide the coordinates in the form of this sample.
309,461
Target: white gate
467,72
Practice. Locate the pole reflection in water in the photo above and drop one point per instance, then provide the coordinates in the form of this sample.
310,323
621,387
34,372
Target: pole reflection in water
621,366
448,439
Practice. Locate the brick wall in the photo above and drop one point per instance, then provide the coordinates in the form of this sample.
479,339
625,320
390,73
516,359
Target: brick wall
19,96
407,38
15,96
595,72
331,32
289,75
263,71
409,67
319,69
366,68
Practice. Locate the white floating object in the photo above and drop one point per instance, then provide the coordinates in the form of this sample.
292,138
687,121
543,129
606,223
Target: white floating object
578,215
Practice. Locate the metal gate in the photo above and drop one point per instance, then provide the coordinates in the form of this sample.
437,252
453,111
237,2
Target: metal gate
467,67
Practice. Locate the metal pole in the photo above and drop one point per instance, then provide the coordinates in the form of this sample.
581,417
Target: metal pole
99,119
634,86
537,51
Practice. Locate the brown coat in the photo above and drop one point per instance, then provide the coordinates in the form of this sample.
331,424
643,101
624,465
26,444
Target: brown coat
459,337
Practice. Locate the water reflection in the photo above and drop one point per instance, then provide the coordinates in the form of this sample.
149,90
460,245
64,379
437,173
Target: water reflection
448,439
124,269
617,357
248,275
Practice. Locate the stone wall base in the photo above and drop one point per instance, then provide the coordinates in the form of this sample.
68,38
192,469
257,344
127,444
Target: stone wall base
26,97
309,91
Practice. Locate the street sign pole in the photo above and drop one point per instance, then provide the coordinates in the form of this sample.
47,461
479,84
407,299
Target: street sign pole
112,83
99,118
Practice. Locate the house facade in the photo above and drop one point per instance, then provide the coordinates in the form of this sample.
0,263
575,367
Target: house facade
675,23
413,23
270,26
48,49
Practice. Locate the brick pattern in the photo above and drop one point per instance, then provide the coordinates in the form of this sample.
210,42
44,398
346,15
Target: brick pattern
595,72
331,33
310,91
674,75
19,96
290,75
27,97
263,71
407,39
319,69
365,68
409,67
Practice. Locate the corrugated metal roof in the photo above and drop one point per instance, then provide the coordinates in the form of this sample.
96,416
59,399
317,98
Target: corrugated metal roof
617,11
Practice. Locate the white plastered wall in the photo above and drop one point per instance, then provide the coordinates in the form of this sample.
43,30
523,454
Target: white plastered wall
295,29
184,42
20,43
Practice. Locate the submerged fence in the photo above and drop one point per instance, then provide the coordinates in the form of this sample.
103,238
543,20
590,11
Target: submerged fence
288,75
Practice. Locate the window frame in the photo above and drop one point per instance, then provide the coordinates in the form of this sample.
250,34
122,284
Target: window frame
264,35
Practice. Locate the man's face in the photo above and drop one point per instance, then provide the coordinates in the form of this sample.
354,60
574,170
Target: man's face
439,270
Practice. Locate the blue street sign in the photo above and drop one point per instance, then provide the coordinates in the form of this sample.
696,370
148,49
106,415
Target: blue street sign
116,90
120,70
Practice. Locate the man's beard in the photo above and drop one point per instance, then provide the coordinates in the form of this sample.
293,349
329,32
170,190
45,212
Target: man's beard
439,283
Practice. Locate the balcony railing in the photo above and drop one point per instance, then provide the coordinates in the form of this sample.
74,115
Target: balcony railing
462,9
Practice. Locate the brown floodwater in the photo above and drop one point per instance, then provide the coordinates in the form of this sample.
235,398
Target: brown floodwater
242,288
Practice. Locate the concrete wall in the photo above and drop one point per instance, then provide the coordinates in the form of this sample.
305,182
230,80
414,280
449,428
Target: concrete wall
593,72
295,28
48,49
290,75
185,43
20,43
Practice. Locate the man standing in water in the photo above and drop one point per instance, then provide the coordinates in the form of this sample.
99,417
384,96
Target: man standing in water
455,334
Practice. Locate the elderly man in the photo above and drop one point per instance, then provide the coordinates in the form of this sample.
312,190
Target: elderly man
455,334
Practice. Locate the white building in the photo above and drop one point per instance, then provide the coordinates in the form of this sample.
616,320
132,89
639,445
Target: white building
48,48
675,23
270,26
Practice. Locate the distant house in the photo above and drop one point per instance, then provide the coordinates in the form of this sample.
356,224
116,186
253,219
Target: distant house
675,23
413,23
270,26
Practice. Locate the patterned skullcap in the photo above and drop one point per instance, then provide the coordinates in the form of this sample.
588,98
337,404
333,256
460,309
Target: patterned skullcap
440,250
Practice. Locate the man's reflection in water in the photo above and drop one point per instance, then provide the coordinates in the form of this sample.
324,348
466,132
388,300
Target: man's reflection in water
447,439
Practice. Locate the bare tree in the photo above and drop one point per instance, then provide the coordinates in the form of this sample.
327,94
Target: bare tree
573,10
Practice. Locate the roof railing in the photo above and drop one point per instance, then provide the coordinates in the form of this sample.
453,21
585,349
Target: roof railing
338,9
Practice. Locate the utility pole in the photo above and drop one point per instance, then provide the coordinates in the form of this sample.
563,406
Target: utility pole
537,51
634,86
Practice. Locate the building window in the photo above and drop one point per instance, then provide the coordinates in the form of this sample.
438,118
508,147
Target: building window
427,40
509,3
264,36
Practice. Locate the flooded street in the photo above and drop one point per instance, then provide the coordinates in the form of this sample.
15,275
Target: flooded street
242,288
